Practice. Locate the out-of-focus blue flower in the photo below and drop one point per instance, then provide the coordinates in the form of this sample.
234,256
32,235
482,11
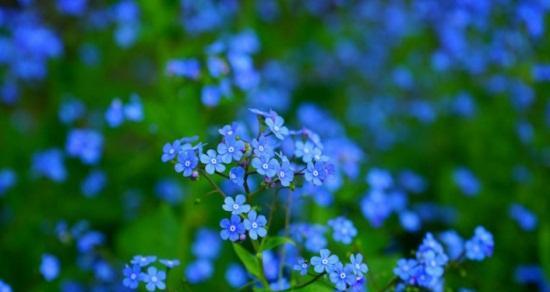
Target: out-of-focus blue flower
453,242
154,279
171,150
341,276
49,163
525,131
236,175
358,267
212,161
186,163
133,110
189,68
103,271
375,207
279,285
207,244
302,266
89,240
169,190
431,255
236,275
71,110
406,270
410,221
412,182
464,105
236,206
49,267
8,179
466,181
265,166
4,287
211,95
115,113
199,271
526,219
89,54
532,274
72,7
231,149
343,230
379,179
85,144
255,225
93,183
480,246
131,276
143,261
232,229
170,263
325,262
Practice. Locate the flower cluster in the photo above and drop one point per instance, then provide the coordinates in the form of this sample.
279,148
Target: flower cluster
118,112
343,275
152,277
427,269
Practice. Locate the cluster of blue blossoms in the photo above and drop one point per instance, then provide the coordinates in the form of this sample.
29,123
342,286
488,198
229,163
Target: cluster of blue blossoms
431,261
152,277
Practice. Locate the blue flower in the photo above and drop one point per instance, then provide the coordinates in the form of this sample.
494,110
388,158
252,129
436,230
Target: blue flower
255,225
315,173
375,207
210,95
231,150
134,109
85,144
71,110
213,162
325,263
356,262
189,68
217,66
236,275
466,181
93,183
7,180
207,244
169,190
453,242
154,279
143,261
199,271
171,150
115,113
236,206
263,147
480,246
49,163
229,130
343,230
232,229
236,175
265,166
276,125
285,172
187,162
131,276
279,285
4,287
301,266
526,219
49,267
304,150
406,269
341,276
379,179
89,240
170,263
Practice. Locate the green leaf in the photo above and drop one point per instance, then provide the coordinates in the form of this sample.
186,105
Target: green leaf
317,286
272,242
544,243
249,261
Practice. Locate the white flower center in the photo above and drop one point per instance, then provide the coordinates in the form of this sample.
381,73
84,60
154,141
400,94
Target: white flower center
232,228
214,161
187,163
230,149
133,276
324,261
235,206
315,173
154,279
229,133
261,148
275,128
281,174
306,150
265,166
342,275
171,151
254,225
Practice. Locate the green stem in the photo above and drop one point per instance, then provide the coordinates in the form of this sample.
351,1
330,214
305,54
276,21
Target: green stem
305,284
259,256
209,179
